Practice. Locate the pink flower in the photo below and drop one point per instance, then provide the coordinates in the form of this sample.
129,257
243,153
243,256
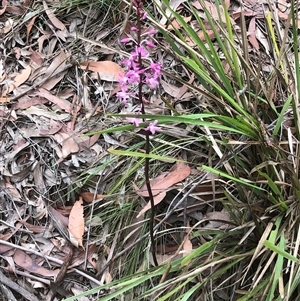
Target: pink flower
123,79
134,76
125,40
152,127
152,31
156,68
135,121
144,15
150,44
137,3
123,95
142,51
152,82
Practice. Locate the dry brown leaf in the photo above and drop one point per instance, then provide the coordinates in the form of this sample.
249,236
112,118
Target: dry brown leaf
143,190
33,228
76,223
157,199
15,10
58,24
46,113
20,78
187,247
218,219
69,145
4,248
175,24
82,255
29,27
108,70
227,3
187,244
89,197
36,58
212,9
25,261
41,40
170,89
30,102
4,99
252,33
53,81
11,190
60,219
178,172
52,128
263,40
285,17
62,35
7,26
62,103
58,65
4,4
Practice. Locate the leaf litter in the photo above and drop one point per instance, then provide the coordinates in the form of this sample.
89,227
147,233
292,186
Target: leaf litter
47,94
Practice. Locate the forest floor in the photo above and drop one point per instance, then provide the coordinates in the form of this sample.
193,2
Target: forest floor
74,211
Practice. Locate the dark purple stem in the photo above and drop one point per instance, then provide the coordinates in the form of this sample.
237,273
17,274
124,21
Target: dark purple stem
147,136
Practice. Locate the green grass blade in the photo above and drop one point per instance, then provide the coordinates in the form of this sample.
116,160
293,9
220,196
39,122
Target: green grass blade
227,176
143,155
280,251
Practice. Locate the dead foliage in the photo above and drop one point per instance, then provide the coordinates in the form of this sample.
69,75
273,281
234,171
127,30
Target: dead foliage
58,73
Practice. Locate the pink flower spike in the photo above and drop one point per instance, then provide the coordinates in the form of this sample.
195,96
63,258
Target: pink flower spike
152,127
125,40
135,121
133,28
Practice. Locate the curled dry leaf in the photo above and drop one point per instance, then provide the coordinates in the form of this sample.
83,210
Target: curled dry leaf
76,224
107,70
178,172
